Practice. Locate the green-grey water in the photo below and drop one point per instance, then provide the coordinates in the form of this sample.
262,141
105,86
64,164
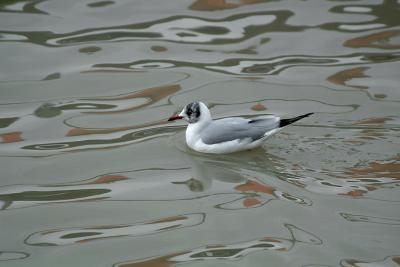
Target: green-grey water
92,174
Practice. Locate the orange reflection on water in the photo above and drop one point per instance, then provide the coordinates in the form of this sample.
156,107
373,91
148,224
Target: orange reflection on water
256,187
105,179
390,169
377,40
11,137
342,77
251,202
252,186
258,107
375,120
254,194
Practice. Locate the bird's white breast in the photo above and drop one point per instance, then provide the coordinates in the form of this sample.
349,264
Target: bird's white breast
194,141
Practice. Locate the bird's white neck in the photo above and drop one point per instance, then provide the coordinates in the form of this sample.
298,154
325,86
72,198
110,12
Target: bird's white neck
193,130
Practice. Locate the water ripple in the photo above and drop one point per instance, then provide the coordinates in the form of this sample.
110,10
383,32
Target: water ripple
272,66
92,143
17,131
359,177
387,262
224,185
232,251
369,219
83,82
76,235
182,29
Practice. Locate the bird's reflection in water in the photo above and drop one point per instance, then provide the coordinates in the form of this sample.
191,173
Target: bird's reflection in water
249,175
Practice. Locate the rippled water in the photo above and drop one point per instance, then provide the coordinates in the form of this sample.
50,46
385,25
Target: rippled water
92,174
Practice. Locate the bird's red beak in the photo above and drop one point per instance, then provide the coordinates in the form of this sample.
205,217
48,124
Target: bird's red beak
175,117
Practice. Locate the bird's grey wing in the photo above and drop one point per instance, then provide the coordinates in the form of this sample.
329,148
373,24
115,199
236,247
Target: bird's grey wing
238,128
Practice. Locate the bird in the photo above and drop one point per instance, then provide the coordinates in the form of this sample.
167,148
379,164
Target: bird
227,135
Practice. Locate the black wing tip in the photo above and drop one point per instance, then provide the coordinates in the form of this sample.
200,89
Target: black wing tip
255,120
285,122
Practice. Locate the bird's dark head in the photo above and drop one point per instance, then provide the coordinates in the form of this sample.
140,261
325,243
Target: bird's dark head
193,113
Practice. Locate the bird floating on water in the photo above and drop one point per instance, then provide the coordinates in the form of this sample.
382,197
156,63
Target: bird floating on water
227,135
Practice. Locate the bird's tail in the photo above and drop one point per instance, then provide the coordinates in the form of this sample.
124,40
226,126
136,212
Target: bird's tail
285,122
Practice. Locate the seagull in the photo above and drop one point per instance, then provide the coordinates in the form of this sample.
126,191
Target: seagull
227,135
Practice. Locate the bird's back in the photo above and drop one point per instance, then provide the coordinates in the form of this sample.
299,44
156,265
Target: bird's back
229,129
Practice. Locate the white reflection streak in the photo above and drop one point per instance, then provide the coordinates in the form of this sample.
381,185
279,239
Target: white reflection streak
361,27
77,235
357,9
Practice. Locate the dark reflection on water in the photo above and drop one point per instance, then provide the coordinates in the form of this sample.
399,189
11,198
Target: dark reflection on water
5,122
100,3
52,76
21,6
48,196
49,110
232,251
12,255
205,5
90,49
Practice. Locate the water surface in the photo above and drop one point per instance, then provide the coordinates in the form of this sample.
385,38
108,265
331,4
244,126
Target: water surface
92,174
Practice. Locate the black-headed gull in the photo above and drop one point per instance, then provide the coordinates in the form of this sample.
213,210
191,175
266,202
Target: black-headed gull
227,135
